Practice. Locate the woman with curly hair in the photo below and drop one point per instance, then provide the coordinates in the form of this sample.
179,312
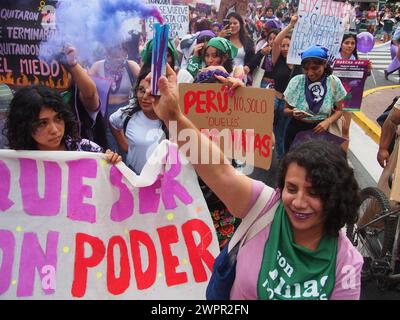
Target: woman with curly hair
303,253
38,119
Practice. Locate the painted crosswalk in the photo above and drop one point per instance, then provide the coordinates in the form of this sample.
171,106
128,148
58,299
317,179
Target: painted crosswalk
380,57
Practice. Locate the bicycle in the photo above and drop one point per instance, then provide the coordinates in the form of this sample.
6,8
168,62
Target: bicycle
378,239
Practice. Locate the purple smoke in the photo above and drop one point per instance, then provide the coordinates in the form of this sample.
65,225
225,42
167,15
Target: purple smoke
92,24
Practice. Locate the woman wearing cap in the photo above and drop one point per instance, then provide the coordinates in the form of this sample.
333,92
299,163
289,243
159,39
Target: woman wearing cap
313,100
218,54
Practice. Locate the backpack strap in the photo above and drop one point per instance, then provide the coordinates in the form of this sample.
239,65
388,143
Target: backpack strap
129,116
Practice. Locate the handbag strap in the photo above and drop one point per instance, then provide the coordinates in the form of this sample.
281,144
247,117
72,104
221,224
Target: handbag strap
262,62
251,217
260,223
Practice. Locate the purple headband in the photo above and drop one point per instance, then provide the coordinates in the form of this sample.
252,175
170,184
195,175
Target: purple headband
206,33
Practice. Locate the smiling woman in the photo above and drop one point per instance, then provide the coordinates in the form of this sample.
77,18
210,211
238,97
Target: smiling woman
313,100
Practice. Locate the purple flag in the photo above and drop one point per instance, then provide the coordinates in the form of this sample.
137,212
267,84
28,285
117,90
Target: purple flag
304,136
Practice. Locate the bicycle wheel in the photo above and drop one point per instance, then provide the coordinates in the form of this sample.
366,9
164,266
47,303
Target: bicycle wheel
375,240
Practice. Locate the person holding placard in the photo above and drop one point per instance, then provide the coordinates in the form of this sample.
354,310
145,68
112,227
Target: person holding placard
313,100
302,253
40,120
348,50
282,72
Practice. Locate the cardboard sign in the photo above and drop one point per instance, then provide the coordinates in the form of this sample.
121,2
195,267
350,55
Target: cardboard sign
395,192
353,74
73,226
243,122
228,6
23,26
320,22
176,16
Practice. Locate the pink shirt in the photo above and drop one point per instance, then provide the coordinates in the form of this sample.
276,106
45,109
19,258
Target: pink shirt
348,264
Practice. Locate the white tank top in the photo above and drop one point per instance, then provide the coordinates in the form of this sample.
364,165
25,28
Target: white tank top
125,86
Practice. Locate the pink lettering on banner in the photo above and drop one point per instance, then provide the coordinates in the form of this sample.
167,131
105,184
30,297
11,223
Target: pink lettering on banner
5,202
123,208
149,199
33,257
7,246
169,186
33,204
77,191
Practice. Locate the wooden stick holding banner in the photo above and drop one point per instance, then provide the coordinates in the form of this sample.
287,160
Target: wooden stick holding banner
159,55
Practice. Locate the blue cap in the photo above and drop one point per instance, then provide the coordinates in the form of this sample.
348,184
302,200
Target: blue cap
316,52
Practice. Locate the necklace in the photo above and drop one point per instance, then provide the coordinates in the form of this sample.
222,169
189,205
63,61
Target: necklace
114,72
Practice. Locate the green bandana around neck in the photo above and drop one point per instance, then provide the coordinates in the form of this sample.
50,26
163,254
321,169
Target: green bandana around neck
292,272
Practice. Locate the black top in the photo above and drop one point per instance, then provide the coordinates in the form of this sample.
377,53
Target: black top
282,73
92,130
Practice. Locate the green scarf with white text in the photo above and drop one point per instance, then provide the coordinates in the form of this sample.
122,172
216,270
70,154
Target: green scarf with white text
292,272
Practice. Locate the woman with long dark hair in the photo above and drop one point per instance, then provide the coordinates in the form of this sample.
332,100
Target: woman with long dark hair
136,127
282,72
236,33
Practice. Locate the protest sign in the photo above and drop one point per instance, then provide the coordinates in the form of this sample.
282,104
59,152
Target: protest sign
228,6
73,226
230,118
176,16
395,192
23,26
352,73
320,22
203,8
308,135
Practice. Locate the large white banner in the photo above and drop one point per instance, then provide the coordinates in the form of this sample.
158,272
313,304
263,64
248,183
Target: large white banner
73,226
320,22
